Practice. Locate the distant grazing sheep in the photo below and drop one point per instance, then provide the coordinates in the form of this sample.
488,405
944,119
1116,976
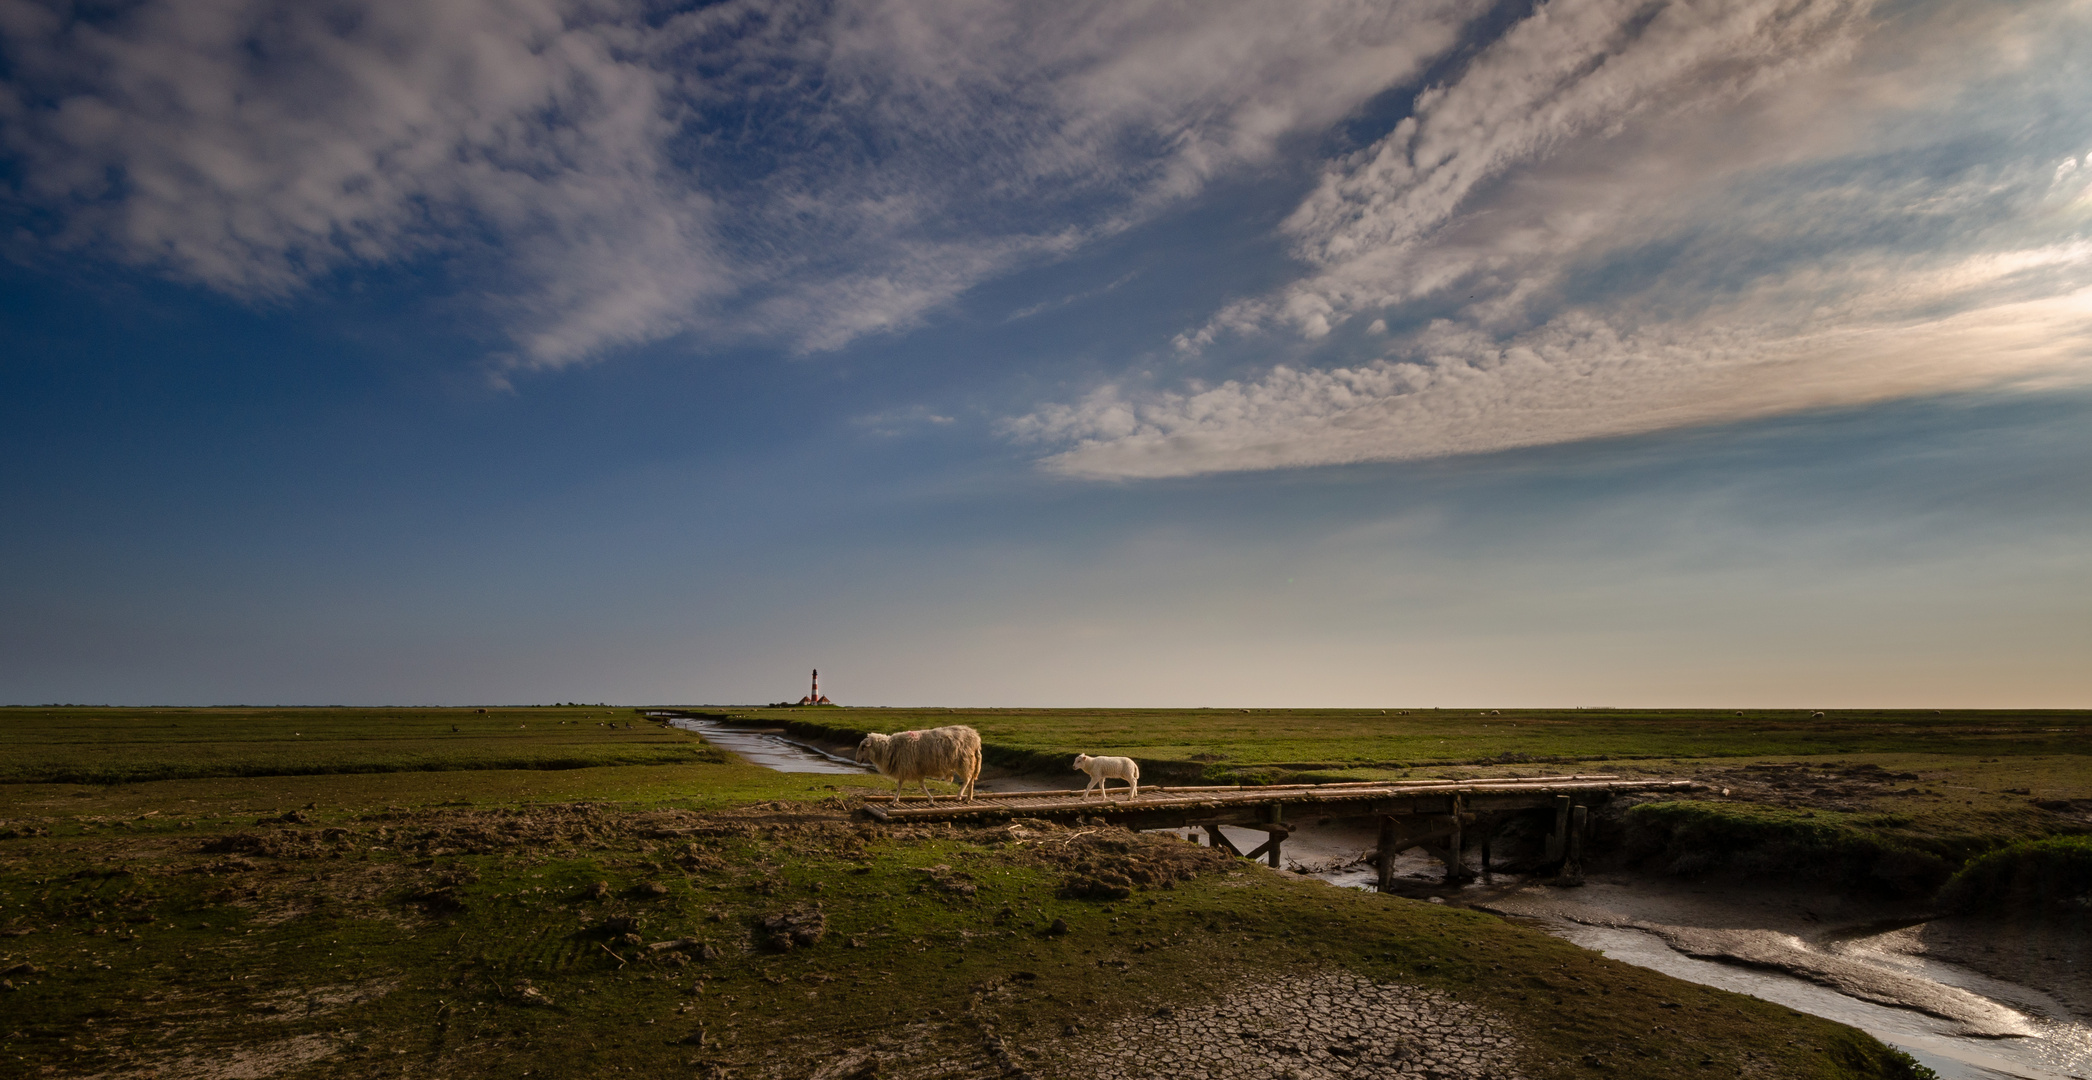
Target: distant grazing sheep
1818,714
1109,768
912,757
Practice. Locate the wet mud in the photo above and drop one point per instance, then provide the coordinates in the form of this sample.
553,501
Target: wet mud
1776,950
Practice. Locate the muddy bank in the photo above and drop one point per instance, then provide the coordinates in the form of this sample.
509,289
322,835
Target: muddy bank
2052,955
1836,938
1973,997
1606,904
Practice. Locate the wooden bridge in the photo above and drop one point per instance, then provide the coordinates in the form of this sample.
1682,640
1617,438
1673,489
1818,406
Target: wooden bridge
1445,816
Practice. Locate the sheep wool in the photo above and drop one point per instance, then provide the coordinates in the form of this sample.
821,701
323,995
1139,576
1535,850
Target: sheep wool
1109,768
912,757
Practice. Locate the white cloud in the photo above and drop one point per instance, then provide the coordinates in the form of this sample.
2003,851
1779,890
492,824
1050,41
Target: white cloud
802,171
1576,377
256,148
892,423
1615,221
1575,70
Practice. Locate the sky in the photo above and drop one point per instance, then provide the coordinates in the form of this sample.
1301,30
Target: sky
1247,353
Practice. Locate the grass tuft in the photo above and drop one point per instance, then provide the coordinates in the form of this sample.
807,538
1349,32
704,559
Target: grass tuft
2047,874
1690,837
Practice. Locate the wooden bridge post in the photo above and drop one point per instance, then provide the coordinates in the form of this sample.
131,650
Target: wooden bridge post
1275,816
1573,866
1388,832
1456,871
1221,841
1558,840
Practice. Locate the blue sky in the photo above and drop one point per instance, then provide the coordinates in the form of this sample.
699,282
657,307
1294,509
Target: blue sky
1238,353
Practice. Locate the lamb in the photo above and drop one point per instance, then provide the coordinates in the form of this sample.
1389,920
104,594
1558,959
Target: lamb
912,757
1107,768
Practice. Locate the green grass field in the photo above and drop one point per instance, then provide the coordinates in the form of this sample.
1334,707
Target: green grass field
115,746
1266,744
333,893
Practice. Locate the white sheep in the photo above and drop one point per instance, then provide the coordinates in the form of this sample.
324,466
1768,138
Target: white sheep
912,757
1109,768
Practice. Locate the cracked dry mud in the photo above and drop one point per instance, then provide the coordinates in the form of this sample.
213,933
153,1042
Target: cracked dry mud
1310,1028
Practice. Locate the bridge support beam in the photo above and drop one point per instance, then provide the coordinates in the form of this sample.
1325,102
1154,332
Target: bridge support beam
1390,834
1279,830
1558,840
1454,855
1573,861
1268,850
1275,834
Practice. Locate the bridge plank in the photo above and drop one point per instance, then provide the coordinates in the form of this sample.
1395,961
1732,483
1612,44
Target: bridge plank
1399,798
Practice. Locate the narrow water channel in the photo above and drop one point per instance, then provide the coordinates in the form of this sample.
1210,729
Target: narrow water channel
2059,1047
2057,1044
768,747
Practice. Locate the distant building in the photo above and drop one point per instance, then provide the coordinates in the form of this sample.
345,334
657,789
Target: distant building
813,694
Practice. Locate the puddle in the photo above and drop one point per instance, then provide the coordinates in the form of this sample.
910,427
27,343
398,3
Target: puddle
768,747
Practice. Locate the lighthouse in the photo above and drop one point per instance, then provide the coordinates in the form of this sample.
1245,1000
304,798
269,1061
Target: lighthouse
813,693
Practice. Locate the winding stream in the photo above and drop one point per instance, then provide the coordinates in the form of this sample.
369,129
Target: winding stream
2059,1048
2057,1044
767,747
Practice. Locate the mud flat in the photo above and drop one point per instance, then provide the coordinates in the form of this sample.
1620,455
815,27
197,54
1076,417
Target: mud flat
1323,1026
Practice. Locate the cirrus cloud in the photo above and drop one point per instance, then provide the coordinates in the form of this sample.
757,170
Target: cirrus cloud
1622,217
